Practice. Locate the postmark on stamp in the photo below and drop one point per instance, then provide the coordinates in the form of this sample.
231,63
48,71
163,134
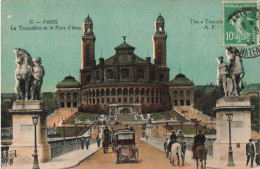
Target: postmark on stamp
240,23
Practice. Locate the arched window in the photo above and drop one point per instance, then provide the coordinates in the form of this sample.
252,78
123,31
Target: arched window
97,92
142,91
113,92
102,92
160,29
147,92
124,73
137,91
109,74
93,92
131,91
119,91
140,74
125,91
88,30
108,92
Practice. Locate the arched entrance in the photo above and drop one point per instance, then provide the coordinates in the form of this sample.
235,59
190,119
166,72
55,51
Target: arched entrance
125,111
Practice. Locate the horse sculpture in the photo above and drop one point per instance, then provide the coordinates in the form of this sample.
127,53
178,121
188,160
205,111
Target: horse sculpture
23,73
200,154
175,149
28,75
236,69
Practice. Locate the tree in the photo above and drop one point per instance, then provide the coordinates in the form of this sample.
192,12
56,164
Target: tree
206,101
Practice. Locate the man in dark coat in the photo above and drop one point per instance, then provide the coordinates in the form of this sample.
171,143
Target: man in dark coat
82,142
250,152
87,143
173,139
98,141
200,139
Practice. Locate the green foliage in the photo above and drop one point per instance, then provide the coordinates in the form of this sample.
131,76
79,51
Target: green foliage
255,112
206,101
94,109
6,116
152,108
50,102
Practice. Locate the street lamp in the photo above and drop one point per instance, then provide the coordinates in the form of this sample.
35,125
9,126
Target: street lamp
35,155
76,128
63,126
230,153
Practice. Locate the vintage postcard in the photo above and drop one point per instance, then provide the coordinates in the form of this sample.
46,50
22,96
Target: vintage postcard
149,84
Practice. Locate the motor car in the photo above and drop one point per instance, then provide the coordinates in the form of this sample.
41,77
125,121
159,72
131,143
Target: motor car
123,146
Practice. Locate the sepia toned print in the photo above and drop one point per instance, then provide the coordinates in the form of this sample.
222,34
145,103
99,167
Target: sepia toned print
130,84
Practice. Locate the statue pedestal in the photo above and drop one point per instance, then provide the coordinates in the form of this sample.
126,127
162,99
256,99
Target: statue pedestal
149,129
23,131
240,128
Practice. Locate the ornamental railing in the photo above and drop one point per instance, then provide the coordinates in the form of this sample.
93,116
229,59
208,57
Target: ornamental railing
60,146
7,157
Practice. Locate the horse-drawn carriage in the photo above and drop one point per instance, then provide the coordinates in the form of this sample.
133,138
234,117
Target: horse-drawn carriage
124,146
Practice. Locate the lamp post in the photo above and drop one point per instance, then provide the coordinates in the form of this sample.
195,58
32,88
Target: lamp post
35,155
76,128
63,126
230,153
181,123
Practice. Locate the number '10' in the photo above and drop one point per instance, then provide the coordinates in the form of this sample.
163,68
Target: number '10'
229,35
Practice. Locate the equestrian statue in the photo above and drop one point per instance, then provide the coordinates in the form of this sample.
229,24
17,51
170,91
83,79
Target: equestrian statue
229,76
28,76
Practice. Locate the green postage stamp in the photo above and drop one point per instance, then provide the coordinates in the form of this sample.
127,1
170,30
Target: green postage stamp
240,23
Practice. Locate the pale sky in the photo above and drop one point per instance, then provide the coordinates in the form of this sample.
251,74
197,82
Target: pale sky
190,47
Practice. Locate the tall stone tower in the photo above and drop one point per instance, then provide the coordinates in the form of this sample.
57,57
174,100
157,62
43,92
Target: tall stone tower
159,43
159,51
88,52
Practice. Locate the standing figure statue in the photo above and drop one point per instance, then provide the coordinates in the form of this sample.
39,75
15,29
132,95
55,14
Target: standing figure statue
37,73
28,76
236,69
222,74
23,73
229,76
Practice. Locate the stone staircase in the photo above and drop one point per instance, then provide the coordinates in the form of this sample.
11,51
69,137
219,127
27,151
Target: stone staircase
192,113
58,116
125,117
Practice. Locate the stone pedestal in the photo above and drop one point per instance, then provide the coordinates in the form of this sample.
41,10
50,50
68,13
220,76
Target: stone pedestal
240,128
23,131
149,128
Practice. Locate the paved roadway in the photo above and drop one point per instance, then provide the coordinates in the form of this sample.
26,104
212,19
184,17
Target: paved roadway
149,158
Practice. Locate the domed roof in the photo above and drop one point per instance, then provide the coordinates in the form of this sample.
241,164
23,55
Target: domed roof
160,19
181,80
68,81
88,20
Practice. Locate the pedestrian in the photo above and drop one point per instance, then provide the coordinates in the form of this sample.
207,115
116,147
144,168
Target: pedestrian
98,141
257,150
250,152
82,142
165,145
87,143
